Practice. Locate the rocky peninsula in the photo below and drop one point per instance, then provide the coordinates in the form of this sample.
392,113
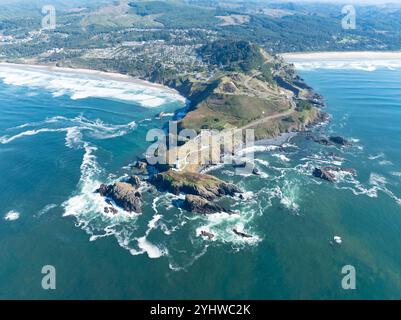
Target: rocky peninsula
255,91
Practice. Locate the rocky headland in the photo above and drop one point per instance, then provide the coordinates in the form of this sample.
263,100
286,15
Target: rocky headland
267,96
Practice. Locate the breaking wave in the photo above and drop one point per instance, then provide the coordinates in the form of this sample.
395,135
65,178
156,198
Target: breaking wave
11,215
348,64
81,86
74,129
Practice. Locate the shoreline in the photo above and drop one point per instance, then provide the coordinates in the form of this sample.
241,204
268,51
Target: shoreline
103,75
278,141
341,55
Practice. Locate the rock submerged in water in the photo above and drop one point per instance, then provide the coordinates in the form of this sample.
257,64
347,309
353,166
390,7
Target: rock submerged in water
207,234
334,140
134,180
110,210
124,194
339,140
242,234
327,173
198,204
244,164
321,140
141,165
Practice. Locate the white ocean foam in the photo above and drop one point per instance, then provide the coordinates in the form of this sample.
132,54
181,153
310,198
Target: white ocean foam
245,196
347,181
86,200
377,180
152,250
348,64
74,127
378,184
376,156
8,139
222,226
282,157
73,138
88,208
263,162
165,114
254,149
194,257
385,163
83,86
289,145
12,215
289,196
46,209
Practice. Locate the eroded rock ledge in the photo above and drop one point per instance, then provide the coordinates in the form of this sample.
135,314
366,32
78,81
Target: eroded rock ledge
329,173
198,204
125,195
201,190
333,140
203,185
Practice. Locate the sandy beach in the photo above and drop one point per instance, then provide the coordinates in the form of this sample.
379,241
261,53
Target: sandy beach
89,72
351,55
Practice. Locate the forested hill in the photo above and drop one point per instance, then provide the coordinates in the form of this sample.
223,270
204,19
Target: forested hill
278,27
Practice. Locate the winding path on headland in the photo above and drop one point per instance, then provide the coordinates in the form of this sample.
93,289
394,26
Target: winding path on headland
272,117
208,150
196,147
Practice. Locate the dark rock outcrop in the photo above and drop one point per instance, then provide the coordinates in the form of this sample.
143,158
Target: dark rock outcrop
321,140
241,234
203,185
141,165
256,171
244,164
198,204
134,180
206,234
334,140
327,173
339,140
110,209
125,195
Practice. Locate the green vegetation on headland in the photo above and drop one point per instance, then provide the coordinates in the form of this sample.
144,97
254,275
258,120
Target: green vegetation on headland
245,94
199,48
222,59
232,55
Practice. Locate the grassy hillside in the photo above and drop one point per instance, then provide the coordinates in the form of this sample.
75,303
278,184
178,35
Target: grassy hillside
246,96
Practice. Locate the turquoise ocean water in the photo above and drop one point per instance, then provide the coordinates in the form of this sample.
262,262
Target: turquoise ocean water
59,139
